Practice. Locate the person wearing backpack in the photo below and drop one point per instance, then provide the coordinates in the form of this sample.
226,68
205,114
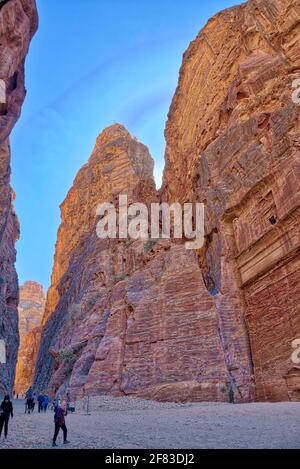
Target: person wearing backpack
59,422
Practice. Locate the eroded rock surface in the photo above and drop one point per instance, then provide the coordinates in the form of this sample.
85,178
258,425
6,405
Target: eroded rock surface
31,311
126,317
18,23
153,319
233,139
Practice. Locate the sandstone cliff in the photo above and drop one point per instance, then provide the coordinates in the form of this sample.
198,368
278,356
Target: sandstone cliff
31,310
122,316
18,23
153,319
233,139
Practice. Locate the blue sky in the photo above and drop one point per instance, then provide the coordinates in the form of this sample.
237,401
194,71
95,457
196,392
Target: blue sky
92,63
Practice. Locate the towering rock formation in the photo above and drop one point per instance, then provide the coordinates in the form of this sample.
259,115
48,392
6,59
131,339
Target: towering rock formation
31,311
122,316
233,138
153,319
18,23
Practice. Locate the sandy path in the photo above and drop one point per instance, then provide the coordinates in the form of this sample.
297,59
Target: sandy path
123,423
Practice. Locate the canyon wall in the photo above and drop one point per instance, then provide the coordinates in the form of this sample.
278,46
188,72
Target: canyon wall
18,23
31,311
151,318
233,136
124,316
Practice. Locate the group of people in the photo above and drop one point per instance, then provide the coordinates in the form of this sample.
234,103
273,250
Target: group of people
29,401
43,403
60,412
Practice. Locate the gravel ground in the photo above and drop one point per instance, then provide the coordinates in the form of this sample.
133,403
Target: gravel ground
127,423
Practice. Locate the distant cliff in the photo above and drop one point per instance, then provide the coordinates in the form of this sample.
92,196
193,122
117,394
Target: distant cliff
18,23
31,310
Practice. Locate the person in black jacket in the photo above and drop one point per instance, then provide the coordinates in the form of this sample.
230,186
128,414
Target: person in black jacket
6,411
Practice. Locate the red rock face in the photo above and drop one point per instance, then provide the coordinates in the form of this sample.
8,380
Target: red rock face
153,319
18,22
160,339
31,310
233,143
126,317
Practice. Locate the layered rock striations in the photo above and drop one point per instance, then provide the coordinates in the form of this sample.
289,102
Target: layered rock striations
124,316
31,311
18,23
151,318
233,137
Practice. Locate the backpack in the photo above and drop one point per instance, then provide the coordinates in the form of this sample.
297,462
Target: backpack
59,416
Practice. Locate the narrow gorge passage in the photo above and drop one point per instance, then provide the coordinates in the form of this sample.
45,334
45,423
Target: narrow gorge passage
112,315
162,322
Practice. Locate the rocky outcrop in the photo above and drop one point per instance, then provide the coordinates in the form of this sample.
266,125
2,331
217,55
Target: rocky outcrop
18,23
233,137
126,316
151,318
31,311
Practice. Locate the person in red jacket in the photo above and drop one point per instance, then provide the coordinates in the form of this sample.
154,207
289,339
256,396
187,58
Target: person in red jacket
6,411
59,421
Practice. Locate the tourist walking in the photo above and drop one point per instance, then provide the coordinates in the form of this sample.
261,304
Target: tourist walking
29,393
6,411
40,403
45,403
33,402
28,400
59,421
